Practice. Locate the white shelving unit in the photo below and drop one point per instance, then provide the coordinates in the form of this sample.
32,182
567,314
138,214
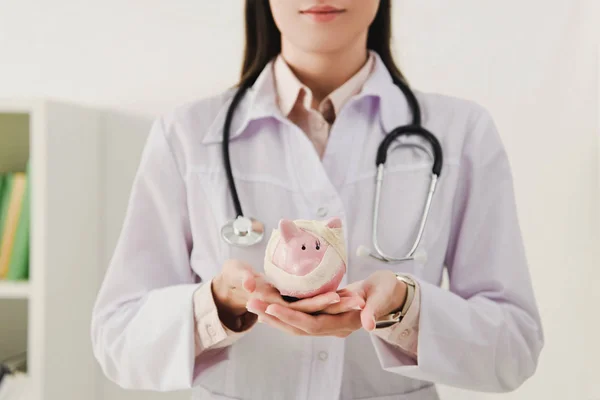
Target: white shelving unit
14,290
49,316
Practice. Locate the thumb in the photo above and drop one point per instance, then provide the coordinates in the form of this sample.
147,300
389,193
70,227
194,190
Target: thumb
241,275
375,302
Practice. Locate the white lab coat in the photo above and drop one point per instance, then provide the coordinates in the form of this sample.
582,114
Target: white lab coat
483,334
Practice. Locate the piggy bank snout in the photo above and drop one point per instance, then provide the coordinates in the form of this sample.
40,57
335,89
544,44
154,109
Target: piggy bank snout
306,267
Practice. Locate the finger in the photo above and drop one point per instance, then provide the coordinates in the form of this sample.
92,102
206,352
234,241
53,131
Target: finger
259,307
314,304
345,292
375,300
276,323
267,293
367,319
346,304
297,319
343,335
322,325
351,289
351,320
249,283
256,306
342,324
240,275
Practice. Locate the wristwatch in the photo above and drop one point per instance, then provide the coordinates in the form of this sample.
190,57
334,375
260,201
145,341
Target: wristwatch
397,316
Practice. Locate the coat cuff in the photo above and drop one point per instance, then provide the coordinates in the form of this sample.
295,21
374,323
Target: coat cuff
211,333
405,335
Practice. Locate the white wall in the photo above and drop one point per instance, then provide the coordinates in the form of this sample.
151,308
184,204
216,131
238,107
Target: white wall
532,63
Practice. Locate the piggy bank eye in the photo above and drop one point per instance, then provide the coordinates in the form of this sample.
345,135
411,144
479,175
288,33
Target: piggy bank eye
303,247
318,245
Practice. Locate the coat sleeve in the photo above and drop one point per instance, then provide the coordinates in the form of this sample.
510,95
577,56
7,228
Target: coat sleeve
143,322
485,333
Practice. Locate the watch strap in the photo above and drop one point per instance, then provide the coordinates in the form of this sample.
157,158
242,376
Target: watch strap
397,316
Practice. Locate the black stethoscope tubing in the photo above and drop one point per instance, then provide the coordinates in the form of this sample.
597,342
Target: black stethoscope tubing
414,128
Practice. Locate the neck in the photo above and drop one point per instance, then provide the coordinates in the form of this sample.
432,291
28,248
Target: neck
322,73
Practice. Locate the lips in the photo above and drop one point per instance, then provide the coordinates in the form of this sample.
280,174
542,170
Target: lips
323,9
323,13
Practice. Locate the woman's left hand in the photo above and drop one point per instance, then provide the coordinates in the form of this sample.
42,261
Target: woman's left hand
378,295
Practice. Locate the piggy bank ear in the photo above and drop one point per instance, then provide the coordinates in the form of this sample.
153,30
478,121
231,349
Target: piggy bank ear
288,229
334,222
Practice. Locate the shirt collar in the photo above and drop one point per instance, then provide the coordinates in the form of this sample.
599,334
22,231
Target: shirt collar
260,102
288,87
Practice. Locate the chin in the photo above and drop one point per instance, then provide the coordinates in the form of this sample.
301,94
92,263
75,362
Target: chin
324,44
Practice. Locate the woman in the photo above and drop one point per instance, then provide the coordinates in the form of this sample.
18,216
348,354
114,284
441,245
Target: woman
179,307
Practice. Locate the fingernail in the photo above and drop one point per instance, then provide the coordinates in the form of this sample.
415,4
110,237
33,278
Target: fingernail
252,310
269,311
357,308
334,301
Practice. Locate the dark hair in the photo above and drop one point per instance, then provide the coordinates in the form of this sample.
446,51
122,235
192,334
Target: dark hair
263,39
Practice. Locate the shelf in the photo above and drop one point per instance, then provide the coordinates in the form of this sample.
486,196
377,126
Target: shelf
74,156
14,290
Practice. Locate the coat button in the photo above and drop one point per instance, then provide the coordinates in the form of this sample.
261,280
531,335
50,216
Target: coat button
323,355
211,330
322,212
405,333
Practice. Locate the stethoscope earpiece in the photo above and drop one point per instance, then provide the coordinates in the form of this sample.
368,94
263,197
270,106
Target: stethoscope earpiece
363,251
420,257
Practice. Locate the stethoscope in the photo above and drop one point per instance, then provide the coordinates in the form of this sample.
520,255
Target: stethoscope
244,231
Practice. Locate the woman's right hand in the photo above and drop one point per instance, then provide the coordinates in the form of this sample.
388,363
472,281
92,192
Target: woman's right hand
238,282
232,289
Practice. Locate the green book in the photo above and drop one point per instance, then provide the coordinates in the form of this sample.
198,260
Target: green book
18,267
4,201
2,184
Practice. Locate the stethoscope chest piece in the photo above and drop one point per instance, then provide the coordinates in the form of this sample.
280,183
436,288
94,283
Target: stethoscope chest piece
243,232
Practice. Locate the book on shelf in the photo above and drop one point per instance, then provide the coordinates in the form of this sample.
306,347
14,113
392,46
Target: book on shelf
14,225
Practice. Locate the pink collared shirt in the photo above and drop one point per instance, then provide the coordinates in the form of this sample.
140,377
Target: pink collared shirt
295,101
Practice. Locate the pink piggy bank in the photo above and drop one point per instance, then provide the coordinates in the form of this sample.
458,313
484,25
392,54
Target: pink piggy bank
306,258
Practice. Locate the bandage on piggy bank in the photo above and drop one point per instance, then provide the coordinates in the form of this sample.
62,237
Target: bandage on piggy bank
306,258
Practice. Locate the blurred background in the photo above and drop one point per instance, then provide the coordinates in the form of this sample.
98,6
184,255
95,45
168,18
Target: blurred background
81,81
